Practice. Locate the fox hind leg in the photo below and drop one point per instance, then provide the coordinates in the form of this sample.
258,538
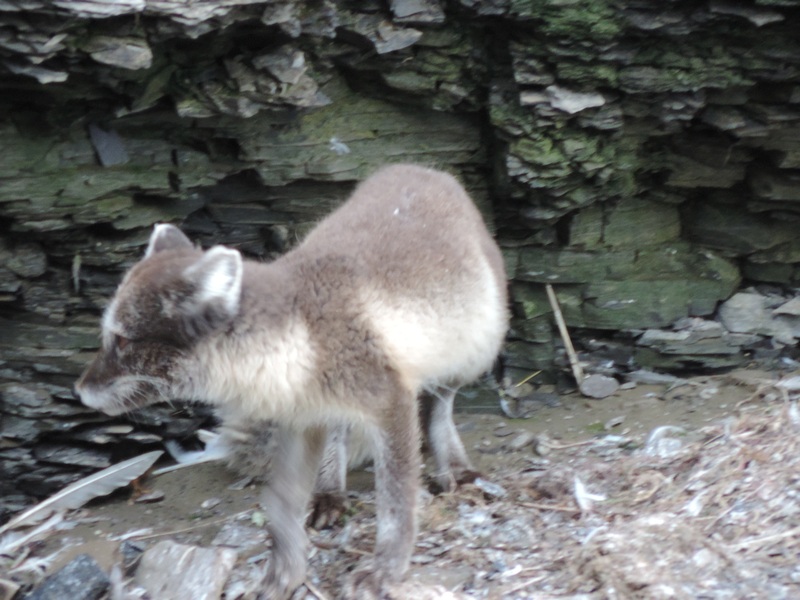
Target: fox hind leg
330,491
451,462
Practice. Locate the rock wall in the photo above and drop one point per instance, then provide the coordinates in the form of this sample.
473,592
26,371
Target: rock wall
648,164
643,157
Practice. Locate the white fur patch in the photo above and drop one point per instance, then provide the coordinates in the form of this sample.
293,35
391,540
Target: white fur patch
219,277
100,401
116,397
110,325
159,230
267,376
450,337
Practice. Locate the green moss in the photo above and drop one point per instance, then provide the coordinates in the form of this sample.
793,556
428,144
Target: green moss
581,196
588,19
410,81
596,74
530,300
22,152
701,63
539,151
576,165
581,148
573,266
512,117
441,38
303,148
596,428
526,356
539,329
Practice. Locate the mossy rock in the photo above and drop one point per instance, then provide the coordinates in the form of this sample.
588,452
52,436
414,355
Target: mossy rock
735,230
633,222
642,304
528,355
652,359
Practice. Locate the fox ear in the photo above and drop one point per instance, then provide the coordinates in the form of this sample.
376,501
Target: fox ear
217,281
166,237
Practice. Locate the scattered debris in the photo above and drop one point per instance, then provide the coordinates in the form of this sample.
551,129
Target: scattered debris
8,589
521,400
659,442
12,542
691,512
81,579
201,576
520,440
492,490
653,378
584,498
614,422
149,497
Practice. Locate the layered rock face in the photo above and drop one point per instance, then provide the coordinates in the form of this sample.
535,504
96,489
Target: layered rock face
643,157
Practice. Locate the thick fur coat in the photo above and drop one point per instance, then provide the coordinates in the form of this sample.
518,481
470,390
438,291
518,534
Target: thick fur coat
399,291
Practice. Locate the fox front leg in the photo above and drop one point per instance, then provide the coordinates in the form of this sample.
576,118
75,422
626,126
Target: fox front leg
285,499
397,462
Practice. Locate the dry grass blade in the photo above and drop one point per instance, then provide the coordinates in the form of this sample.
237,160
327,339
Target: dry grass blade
766,540
314,590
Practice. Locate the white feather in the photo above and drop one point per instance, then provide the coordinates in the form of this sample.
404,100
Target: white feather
12,541
584,497
79,493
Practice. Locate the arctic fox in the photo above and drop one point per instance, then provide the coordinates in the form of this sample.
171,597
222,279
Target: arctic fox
398,292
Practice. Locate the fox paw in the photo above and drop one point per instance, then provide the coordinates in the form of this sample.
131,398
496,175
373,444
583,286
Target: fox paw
449,481
365,583
280,584
327,510
466,476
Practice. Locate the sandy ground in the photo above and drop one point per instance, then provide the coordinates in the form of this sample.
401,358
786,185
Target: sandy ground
588,499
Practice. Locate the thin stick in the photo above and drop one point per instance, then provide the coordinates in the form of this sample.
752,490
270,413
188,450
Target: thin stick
554,446
766,539
177,531
356,551
192,527
333,546
314,590
577,371
527,378
556,507
521,586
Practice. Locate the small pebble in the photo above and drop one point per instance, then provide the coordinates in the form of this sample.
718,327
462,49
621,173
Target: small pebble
519,441
152,496
490,489
210,503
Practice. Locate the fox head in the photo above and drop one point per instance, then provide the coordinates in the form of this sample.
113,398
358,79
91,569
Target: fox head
176,297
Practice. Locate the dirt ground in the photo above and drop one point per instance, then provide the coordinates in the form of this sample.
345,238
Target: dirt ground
683,491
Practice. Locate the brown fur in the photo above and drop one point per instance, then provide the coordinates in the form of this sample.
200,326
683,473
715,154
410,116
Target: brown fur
398,291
